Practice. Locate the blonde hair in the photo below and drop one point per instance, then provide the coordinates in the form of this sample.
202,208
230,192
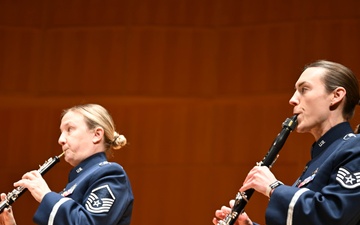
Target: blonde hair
97,116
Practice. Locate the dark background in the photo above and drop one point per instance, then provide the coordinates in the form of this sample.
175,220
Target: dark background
199,88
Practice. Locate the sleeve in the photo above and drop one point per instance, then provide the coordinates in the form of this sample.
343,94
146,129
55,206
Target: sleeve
107,200
336,200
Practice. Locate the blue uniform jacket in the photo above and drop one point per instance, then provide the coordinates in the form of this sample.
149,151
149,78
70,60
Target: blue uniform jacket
98,192
328,191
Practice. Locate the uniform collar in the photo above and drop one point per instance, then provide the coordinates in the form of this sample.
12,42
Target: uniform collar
336,132
87,163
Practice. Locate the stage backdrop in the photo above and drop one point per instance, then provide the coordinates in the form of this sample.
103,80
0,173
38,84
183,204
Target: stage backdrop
200,89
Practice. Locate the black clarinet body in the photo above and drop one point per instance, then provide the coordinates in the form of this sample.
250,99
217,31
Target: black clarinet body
17,192
242,198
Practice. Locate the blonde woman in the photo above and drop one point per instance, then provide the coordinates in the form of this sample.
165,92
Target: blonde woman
98,191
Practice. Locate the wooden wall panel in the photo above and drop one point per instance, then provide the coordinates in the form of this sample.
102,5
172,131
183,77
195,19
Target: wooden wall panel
77,59
175,62
333,40
21,13
247,12
180,13
246,62
347,9
86,13
199,88
19,66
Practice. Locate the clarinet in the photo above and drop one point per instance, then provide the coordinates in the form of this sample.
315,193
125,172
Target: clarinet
242,198
17,192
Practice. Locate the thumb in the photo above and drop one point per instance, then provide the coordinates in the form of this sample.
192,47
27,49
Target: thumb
232,202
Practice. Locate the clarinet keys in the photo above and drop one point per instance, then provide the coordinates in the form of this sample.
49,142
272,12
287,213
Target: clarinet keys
17,192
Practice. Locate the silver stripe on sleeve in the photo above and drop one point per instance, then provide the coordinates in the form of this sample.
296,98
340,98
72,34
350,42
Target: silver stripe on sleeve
55,209
292,205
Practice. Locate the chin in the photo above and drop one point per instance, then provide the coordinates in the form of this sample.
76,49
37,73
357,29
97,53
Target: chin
68,160
300,129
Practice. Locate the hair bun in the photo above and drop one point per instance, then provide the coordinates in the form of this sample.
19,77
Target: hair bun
119,141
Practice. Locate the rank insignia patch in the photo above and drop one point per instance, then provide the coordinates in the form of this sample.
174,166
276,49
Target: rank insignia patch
100,200
70,191
348,179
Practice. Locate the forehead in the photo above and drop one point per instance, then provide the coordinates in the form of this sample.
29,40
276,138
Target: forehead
72,117
312,75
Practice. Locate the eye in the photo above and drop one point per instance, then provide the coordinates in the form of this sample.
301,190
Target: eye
303,90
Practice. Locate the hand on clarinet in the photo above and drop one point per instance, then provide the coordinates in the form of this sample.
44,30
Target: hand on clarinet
7,216
220,214
259,178
35,183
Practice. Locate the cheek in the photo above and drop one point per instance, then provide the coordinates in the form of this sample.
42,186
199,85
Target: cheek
313,116
315,105
72,143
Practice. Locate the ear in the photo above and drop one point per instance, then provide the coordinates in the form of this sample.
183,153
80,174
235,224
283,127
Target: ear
338,95
98,135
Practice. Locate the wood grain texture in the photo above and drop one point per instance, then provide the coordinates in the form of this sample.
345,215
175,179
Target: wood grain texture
199,88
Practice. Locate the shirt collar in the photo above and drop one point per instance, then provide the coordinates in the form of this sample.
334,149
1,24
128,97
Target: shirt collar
87,163
336,132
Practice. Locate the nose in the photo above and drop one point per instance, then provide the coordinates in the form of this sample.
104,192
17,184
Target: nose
294,100
61,139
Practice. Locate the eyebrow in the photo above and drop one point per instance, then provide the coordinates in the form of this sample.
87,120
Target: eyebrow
300,84
64,125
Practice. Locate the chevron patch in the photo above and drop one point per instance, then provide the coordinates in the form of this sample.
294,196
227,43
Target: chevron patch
348,179
100,200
